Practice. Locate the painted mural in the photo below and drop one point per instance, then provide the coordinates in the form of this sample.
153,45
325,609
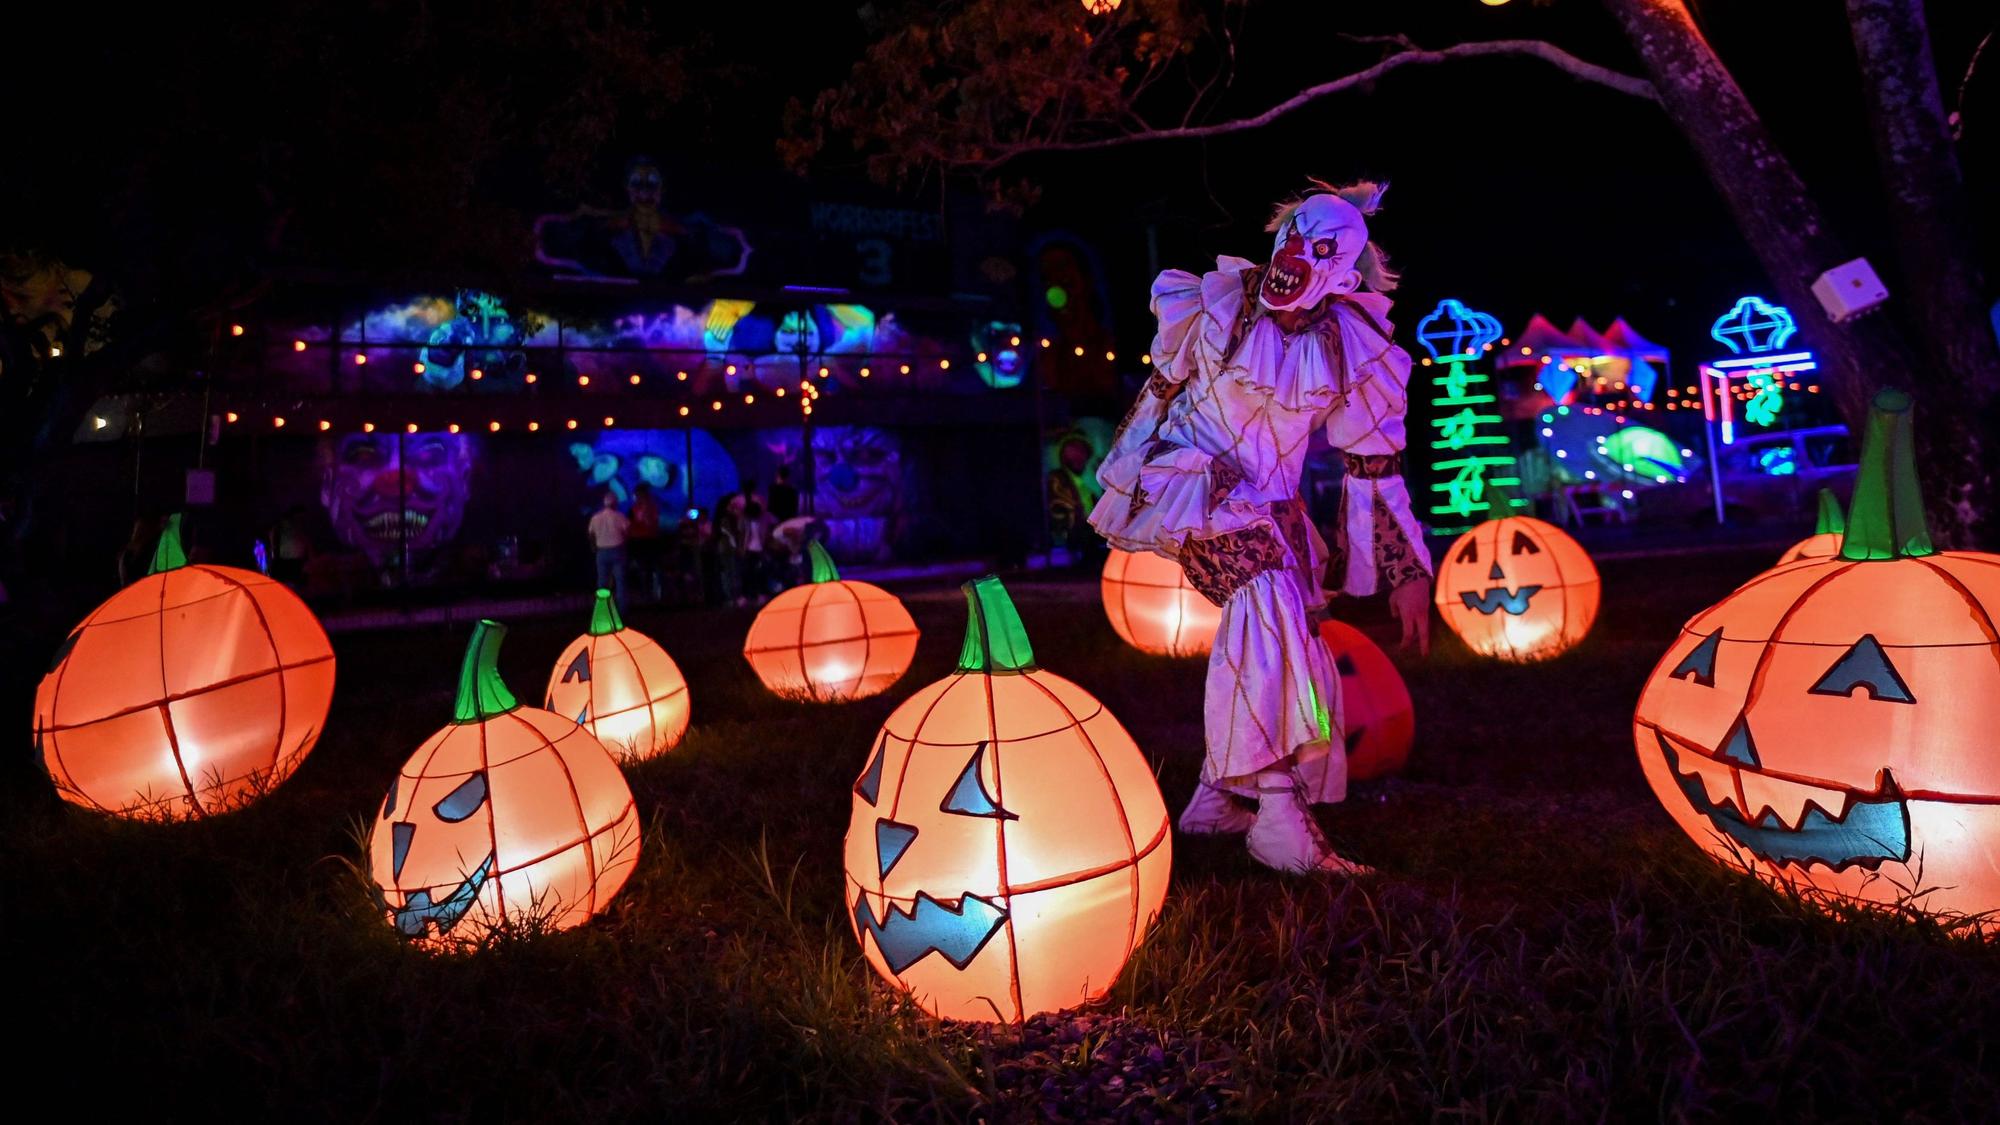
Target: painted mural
641,240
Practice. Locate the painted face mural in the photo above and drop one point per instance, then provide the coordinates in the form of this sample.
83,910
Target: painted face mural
1007,848
1518,589
858,488
622,460
1830,725
483,336
1005,364
1313,253
385,493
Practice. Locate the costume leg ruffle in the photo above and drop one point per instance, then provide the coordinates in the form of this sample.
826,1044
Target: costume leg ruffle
1272,697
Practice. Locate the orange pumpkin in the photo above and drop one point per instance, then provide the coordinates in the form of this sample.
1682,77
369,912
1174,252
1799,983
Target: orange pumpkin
1517,589
1830,725
621,686
194,690
1154,609
510,817
831,640
1377,718
1824,542
1008,848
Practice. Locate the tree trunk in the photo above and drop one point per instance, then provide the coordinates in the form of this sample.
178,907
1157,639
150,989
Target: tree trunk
1785,229
1929,216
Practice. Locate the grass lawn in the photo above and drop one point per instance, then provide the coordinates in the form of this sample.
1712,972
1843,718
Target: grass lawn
1541,943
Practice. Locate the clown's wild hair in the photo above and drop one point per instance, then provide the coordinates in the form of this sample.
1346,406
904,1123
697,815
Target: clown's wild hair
1366,196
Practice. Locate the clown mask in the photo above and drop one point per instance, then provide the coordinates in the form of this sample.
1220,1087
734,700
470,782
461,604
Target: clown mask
1314,253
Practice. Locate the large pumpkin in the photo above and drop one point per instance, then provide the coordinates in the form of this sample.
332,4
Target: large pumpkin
1824,542
831,640
621,686
1008,848
1154,609
1517,588
194,690
509,818
1378,721
1831,724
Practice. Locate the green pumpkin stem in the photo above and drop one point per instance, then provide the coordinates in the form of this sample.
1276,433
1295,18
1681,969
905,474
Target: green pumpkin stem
1886,520
1832,521
823,569
168,553
995,639
482,695
1500,502
604,615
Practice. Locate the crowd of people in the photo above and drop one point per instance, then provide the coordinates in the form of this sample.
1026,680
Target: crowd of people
750,546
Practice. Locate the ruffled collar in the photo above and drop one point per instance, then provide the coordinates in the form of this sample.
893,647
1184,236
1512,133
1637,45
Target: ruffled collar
1235,288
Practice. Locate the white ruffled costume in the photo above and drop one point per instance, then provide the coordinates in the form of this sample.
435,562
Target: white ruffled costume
1215,444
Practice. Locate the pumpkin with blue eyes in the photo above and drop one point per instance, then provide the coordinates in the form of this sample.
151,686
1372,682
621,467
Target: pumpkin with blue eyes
1517,588
1830,726
511,817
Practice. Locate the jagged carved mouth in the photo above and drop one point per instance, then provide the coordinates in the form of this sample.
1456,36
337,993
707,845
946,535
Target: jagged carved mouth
419,911
957,933
1499,598
1867,828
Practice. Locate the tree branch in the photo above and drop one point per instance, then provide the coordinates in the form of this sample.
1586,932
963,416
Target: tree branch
1410,55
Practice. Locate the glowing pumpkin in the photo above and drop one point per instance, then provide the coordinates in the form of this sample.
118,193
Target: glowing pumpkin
831,640
1517,588
1830,725
1376,716
1154,609
1824,542
1008,848
621,686
510,817
194,690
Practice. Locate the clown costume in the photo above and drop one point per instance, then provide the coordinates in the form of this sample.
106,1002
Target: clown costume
1251,361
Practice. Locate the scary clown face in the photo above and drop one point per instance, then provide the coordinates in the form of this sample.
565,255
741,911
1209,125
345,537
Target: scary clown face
385,491
1314,252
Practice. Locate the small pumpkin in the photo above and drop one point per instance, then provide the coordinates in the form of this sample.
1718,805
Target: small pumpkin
1829,726
1153,608
831,640
621,686
194,690
1517,588
510,817
1824,542
1378,721
1008,848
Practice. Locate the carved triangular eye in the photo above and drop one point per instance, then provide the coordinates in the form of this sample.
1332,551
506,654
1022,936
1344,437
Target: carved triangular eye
1524,545
1698,666
464,800
869,785
579,669
1470,552
891,841
1865,665
968,796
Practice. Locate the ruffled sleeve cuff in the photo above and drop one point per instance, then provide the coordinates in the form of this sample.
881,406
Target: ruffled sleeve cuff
1380,542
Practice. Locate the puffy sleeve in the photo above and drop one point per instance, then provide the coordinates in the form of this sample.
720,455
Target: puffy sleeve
1379,541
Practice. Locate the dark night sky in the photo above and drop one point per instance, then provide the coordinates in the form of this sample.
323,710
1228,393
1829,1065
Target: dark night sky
1516,187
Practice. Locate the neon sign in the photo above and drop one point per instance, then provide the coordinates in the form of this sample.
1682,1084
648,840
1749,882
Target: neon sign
1469,450
1755,331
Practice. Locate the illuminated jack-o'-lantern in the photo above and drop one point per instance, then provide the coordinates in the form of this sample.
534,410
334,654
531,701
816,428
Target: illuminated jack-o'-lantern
1830,725
1376,715
1517,588
1008,848
192,691
621,686
831,640
509,818
1824,542
1154,609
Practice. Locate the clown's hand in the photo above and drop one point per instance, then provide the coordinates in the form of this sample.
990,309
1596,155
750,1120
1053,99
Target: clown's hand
1411,603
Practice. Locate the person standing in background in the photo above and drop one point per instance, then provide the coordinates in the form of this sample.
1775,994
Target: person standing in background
645,539
608,530
290,547
784,503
